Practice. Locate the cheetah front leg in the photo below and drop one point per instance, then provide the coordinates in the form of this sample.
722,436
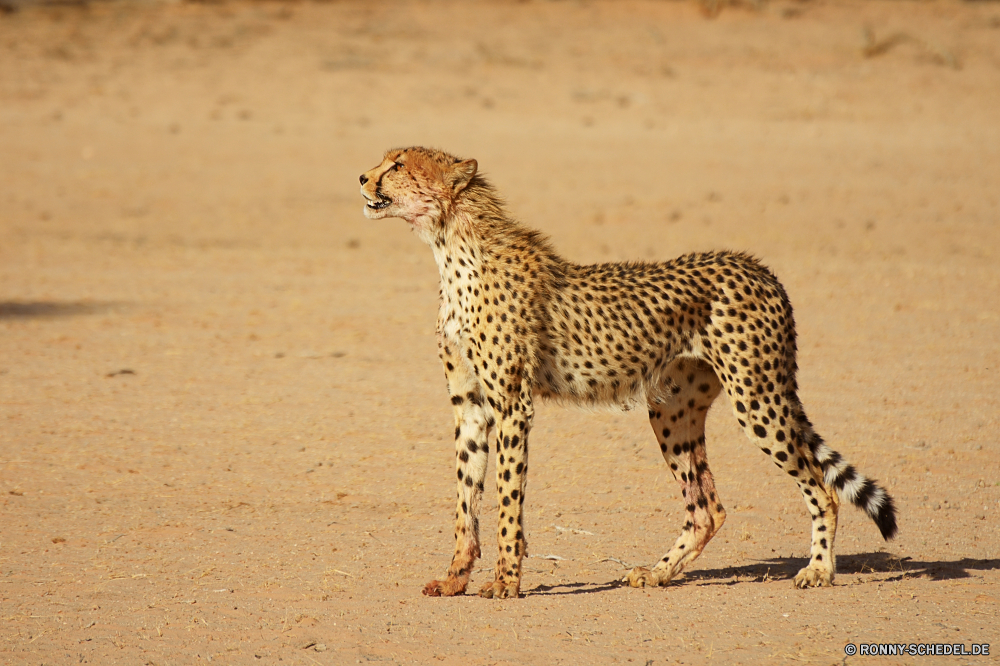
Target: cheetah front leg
512,470
679,423
472,429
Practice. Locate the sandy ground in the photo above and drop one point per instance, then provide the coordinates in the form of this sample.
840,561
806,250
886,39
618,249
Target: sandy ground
224,434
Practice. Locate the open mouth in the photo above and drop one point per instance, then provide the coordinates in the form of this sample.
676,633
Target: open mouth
378,204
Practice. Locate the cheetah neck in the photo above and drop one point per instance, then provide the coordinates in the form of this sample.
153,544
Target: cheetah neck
458,255
472,228
483,255
457,248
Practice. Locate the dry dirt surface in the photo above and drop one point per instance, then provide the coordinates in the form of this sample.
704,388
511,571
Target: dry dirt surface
224,433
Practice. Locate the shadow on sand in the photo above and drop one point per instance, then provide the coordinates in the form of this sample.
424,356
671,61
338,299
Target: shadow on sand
51,309
785,568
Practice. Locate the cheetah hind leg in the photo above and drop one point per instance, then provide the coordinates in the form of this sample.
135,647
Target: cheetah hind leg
679,423
819,573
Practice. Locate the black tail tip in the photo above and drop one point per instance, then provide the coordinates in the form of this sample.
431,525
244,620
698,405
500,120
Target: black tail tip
886,519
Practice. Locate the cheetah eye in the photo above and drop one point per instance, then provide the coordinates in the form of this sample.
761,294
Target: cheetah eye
395,166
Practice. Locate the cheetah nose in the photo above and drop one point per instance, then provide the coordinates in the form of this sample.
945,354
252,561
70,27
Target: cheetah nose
364,179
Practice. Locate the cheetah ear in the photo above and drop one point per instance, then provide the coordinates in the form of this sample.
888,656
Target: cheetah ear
460,173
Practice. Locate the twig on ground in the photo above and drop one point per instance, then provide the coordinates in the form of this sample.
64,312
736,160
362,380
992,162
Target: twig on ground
615,559
876,47
572,530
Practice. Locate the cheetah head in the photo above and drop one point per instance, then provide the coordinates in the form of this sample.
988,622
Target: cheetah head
419,185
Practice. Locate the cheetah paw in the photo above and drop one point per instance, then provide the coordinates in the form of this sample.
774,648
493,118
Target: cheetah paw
811,577
500,590
643,577
449,587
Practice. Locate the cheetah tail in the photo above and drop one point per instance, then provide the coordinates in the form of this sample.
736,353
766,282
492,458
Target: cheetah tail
858,489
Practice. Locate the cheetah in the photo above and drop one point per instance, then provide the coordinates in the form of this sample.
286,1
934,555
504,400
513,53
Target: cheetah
516,321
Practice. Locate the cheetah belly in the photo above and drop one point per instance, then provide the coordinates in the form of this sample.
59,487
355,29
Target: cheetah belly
592,375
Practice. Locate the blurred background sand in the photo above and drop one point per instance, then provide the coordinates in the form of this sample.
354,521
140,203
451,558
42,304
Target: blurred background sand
224,434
